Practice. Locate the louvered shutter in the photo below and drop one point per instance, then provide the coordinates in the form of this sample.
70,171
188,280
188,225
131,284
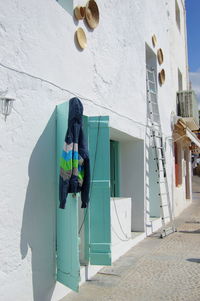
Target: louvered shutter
67,251
98,237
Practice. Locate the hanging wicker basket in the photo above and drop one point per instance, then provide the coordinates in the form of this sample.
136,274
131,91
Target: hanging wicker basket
92,14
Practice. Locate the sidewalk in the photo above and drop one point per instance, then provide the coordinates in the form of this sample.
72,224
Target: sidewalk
156,269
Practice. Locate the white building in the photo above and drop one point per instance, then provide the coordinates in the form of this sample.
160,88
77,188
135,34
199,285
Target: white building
41,66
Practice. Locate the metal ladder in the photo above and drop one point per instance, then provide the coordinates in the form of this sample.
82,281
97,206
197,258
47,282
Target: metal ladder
158,146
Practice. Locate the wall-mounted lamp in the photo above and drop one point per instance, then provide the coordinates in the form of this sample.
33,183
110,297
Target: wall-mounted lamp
6,105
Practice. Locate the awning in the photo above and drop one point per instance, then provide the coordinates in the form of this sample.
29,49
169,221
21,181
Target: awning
192,137
181,130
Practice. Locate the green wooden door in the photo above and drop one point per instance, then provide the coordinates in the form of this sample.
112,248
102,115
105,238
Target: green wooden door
67,251
98,238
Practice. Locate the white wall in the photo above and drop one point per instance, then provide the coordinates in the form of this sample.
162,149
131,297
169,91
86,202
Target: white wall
132,180
120,222
37,42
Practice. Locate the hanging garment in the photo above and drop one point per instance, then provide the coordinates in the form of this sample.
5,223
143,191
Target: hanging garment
74,163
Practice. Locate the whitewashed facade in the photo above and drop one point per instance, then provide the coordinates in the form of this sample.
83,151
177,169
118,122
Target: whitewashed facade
41,67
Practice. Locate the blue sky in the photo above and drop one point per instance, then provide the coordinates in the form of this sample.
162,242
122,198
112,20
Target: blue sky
193,37
193,26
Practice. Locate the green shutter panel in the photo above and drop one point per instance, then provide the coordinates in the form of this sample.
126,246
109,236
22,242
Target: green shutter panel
99,207
68,266
66,4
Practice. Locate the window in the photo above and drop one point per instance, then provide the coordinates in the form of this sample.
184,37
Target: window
178,164
180,88
114,168
180,81
178,18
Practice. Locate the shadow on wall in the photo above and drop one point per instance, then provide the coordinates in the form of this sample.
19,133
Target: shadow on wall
38,225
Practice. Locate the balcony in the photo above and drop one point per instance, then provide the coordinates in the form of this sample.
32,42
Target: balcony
187,108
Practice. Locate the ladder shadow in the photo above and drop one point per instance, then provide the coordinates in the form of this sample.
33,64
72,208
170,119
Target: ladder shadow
190,232
195,260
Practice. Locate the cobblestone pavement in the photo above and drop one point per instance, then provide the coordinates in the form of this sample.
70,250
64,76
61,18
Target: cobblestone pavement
156,269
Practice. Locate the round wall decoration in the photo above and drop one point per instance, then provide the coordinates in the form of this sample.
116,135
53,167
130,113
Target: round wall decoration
92,14
160,56
81,38
79,12
161,76
154,40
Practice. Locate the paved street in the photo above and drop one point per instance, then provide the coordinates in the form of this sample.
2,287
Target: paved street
155,269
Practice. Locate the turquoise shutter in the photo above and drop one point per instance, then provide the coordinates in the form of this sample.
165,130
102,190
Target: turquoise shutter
67,5
99,237
67,251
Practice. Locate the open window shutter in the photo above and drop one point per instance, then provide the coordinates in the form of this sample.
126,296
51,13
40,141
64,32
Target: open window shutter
68,266
99,206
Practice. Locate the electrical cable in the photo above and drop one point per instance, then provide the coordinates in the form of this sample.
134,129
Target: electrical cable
118,235
72,93
127,238
76,94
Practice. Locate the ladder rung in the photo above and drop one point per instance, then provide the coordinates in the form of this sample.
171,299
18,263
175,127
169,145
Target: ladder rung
163,193
151,89
160,170
164,217
155,122
150,70
152,92
157,130
166,205
156,125
151,81
154,113
158,147
167,231
156,136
